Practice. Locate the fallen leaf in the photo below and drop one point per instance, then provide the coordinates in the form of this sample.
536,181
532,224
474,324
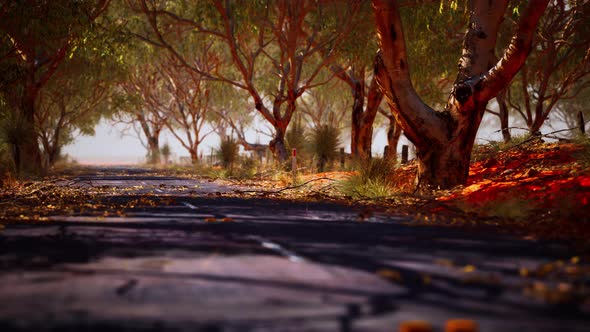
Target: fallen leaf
469,268
390,274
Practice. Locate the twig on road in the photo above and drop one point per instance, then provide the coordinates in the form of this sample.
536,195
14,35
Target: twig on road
268,192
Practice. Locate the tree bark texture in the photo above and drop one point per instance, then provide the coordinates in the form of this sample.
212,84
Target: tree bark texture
444,139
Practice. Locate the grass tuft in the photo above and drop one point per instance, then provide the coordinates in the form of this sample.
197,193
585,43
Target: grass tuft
371,180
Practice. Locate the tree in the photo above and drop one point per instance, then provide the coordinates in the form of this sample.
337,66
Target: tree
560,68
354,68
64,106
444,139
39,36
366,101
187,114
166,152
146,100
282,38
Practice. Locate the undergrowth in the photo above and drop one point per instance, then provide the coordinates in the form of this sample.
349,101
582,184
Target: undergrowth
370,181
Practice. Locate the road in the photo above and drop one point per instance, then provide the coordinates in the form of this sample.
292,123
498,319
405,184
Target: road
204,262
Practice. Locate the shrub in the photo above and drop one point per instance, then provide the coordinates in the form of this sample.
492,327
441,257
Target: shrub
296,137
371,180
165,151
247,168
14,130
228,152
325,144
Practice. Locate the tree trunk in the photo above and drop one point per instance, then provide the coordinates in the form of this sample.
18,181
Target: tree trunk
154,149
504,116
394,132
357,149
277,144
194,156
443,166
30,161
363,117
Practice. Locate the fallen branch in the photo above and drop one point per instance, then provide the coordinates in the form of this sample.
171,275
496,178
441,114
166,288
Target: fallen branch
267,192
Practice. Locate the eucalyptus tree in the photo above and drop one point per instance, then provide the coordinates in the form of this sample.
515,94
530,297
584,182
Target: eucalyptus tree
560,69
355,65
444,139
292,41
37,37
188,113
65,107
146,100
79,94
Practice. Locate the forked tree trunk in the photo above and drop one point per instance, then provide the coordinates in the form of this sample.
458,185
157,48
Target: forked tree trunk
444,139
363,116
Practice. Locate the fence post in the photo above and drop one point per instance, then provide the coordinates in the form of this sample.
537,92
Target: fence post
342,158
581,124
294,165
404,154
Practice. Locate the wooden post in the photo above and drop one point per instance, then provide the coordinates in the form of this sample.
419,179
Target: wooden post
294,165
342,158
404,154
386,152
581,124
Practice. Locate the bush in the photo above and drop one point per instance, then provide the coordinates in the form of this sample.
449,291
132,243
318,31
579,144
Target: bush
296,137
165,152
371,180
325,144
14,130
247,168
228,152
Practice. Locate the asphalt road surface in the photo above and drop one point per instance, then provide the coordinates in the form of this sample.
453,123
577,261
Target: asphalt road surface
211,263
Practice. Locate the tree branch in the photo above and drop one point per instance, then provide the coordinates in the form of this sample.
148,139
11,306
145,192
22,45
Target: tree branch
515,55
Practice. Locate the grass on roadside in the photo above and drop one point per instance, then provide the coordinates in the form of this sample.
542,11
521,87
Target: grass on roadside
370,181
